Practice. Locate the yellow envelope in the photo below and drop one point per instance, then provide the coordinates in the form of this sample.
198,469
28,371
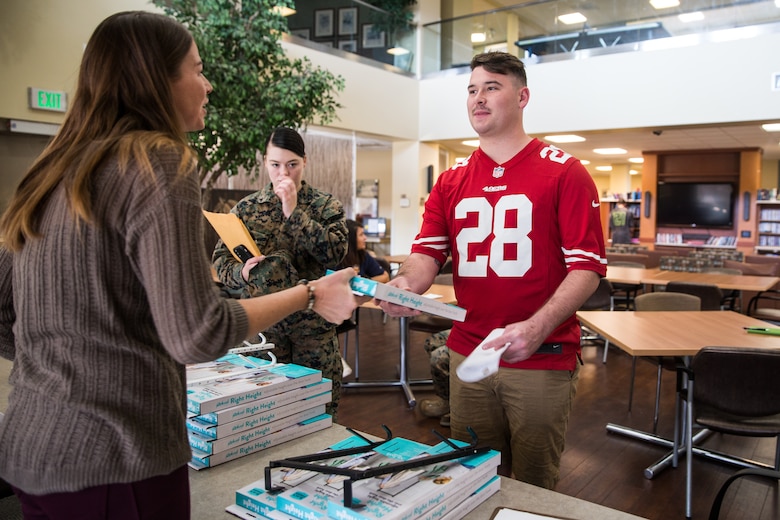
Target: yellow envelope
232,231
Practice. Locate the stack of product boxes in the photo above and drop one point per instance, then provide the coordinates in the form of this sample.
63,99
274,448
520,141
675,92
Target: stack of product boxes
238,405
441,490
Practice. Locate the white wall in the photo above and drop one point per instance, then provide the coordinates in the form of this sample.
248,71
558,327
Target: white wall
707,83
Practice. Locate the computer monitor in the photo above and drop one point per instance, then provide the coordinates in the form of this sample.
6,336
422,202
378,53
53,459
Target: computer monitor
375,227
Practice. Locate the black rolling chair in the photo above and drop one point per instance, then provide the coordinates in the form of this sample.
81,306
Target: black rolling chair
626,291
765,474
765,306
734,391
345,327
600,300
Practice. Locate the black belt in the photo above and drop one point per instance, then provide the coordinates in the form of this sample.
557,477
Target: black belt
550,348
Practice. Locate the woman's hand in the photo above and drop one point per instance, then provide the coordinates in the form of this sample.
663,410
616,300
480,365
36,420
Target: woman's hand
249,264
333,298
287,192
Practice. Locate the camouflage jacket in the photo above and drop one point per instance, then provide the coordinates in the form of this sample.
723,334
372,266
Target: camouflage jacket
303,246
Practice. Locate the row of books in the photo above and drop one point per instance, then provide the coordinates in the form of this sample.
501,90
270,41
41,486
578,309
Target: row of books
445,490
238,405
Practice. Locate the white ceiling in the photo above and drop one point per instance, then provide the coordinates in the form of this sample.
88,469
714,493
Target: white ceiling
636,141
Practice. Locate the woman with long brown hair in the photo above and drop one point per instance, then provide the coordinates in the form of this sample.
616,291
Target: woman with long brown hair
105,292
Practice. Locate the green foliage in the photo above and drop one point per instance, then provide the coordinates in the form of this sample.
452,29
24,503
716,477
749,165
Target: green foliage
256,86
397,16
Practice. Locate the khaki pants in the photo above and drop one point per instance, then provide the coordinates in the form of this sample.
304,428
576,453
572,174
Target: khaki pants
521,413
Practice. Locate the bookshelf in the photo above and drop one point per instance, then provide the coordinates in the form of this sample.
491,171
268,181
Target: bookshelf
768,234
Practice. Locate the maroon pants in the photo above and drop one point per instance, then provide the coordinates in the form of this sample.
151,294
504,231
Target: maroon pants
164,497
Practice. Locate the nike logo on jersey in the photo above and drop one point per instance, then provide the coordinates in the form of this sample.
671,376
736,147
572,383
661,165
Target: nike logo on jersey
595,204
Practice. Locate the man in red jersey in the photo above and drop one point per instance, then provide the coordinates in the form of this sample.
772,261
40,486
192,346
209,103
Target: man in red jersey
521,221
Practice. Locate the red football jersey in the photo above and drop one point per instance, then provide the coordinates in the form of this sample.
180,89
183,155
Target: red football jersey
514,231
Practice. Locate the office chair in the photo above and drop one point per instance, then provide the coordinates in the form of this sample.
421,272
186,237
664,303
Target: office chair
628,291
767,474
661,301
732,299
600,300
345,327
712,297
765,306
734,391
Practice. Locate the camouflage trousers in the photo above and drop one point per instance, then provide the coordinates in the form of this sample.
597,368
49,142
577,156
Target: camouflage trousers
436,347
303,338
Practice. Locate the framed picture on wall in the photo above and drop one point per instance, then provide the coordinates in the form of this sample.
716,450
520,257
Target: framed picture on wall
372,37
348,45
348,21
301,33
323,23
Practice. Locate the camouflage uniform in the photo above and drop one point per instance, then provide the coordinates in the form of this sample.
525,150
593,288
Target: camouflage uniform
313,238
436,347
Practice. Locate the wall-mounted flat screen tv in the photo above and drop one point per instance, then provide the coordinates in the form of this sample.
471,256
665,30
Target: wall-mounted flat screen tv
695,204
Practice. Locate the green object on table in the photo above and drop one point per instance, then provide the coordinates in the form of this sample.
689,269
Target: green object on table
772,331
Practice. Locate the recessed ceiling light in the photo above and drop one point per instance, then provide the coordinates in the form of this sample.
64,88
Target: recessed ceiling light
604,168
771,127
478,37
585,162
564,138
609,151
664,4
633,172
696,16
397,51
471,142
636,160
572,18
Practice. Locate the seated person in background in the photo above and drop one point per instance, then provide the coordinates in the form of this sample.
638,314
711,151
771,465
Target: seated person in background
359,258
436,347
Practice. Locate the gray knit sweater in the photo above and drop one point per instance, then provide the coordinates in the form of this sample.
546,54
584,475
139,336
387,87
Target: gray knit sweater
104,317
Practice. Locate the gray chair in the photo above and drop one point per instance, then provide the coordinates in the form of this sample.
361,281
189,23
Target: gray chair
661,301
732,299
735,391
712,296
600,300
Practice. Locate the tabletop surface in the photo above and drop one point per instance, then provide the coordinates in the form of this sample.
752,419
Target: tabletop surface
655,276
676,333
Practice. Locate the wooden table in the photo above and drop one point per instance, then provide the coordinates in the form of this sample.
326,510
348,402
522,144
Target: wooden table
677,334
213,489
738,282
656,276
444,293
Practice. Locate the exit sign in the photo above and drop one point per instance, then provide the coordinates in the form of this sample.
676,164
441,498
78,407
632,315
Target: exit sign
53,100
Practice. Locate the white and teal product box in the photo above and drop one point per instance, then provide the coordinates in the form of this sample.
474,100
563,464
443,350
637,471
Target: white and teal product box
422,490
308,498
218,431
202,460
388,293
244,388
210,446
